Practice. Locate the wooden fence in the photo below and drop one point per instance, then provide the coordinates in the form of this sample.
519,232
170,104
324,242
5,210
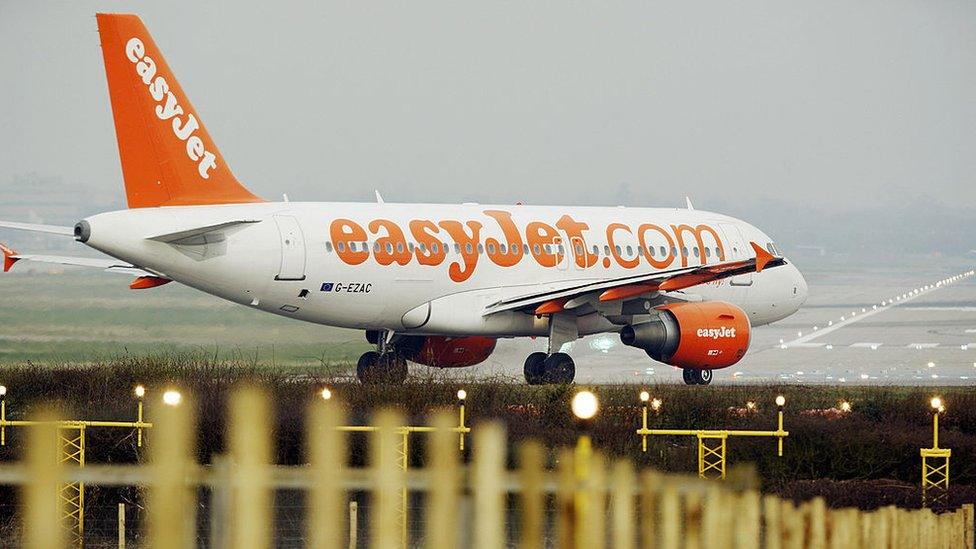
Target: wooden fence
582,500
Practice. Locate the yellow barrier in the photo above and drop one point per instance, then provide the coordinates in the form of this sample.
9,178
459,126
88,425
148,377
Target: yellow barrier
629,508
935,464
711,443
71,444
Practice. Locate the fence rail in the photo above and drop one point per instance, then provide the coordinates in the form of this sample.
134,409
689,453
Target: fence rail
585,500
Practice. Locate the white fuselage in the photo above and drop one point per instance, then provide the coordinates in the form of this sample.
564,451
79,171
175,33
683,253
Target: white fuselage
296,260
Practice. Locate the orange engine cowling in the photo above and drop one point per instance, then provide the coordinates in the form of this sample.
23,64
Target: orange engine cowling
446,352
702,336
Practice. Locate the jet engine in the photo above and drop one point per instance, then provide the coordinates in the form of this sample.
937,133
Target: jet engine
446,352
699,336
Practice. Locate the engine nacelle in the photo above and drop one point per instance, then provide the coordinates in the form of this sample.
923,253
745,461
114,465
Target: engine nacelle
446,352
703,336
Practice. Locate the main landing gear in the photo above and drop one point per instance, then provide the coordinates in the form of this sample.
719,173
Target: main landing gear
385,364
555,368
696,377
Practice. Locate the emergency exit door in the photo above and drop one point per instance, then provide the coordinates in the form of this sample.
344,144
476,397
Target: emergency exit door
292,248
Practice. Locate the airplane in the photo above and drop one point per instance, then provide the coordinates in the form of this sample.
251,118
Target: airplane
434,284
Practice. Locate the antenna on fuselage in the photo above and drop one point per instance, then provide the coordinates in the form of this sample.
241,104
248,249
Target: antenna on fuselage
688,203
379,197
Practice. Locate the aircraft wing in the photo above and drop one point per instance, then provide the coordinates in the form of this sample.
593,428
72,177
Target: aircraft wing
554,301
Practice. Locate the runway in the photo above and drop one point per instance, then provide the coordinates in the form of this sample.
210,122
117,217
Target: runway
859,326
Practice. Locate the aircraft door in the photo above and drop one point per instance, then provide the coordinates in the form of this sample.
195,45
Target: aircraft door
292,248
736,250
578,249
562,254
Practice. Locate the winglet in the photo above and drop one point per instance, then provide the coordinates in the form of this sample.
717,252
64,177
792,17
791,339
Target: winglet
146,282
9,258
763,257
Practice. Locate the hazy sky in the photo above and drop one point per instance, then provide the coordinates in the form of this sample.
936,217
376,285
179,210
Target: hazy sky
831,104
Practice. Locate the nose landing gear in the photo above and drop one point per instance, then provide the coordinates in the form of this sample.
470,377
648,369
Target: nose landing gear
693,376
542,369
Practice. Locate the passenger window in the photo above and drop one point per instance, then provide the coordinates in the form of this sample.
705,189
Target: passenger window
562,250
536,249
606,250
525,249
481,249
696,251
717,253
457,248
491,248
708,252
341,246
664,252
674,251
549,249
684,251
352,246
630,250
399,247
651,250
596,250
617,248
435,247
389,247
468,248
328,246
579,250
423,248
376,247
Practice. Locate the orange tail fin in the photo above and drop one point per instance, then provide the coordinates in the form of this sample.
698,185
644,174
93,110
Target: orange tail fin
168,158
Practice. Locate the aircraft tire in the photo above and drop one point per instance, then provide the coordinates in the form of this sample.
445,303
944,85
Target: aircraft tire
704,377
534,369
689,376
560,369
368,367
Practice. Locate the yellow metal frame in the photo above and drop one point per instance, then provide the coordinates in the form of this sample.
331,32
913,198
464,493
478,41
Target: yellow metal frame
712,443
403,454
71,449
935,469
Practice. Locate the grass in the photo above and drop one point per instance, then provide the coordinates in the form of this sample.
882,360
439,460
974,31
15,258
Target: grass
81,318
875,445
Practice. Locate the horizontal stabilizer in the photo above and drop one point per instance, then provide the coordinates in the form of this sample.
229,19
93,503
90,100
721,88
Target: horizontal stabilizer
37,228
110,265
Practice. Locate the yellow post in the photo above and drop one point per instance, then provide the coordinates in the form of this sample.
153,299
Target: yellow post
532,497
444,483
644,427
779,432
488,468
3,415
170,498
386,521
622,501
462,429
581,460
42,511
250,450
326,452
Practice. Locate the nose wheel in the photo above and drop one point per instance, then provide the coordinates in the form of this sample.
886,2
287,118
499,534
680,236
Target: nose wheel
557,368
696,377
374,368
